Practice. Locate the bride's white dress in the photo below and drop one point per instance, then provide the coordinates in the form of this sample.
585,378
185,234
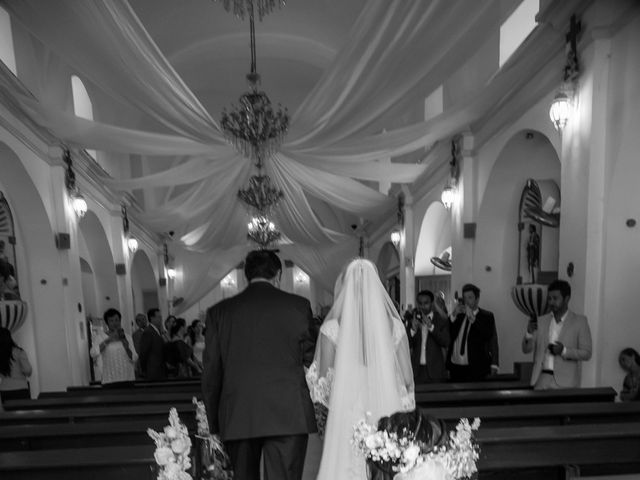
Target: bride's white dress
361,368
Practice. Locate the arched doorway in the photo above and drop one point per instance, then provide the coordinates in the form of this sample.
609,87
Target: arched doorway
144,286
433,241
527,154
389,270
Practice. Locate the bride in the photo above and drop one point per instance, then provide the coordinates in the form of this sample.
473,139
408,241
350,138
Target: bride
361,367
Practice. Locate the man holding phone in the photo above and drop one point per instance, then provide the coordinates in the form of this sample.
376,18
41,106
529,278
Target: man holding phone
473,353
560,340
428,335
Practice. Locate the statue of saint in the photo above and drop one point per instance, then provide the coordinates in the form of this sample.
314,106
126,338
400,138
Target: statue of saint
533,252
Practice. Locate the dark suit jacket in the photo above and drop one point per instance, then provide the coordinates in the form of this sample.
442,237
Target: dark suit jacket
256,346
151,356
482,343
436,341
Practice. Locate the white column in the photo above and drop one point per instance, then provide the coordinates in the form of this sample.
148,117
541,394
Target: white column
407,253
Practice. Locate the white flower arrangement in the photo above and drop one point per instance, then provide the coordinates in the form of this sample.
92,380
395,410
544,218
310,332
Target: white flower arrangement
412,460
214,460
173,447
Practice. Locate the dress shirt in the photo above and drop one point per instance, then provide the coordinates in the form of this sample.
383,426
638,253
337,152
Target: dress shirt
423,340
456,357
554,333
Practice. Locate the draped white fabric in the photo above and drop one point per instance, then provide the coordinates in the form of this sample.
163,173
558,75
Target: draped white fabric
395,52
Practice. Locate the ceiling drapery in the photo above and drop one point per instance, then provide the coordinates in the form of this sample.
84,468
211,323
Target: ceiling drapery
394,52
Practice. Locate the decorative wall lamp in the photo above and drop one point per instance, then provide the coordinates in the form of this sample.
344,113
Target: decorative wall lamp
78,203
228,281
560,110
450,190
171,273
132,243
396,236
302,277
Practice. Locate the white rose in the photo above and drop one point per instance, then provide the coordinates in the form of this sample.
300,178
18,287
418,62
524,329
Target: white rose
179,446
371,441
163,456
410,455
170,432
172,470
430,469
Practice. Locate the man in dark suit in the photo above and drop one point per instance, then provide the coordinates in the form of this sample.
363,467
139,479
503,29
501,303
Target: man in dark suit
151,357
473,352
253,383
428,336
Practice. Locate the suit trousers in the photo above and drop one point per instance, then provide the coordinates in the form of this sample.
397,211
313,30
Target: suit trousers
283,457
461,373
546,381
421,375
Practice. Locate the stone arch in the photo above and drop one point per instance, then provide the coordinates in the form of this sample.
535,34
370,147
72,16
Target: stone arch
388,264
527,154
37,267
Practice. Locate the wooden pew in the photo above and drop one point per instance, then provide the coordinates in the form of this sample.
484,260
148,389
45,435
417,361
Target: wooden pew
527,452
541,414
512,397
192,386
96,414
477,386
105,463
107,400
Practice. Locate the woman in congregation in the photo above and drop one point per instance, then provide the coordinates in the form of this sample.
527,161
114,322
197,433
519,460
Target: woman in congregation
15,369
115,348
361,367
630,362
178,355
195,340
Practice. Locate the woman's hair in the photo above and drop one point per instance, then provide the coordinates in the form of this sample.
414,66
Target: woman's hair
192,331
415,425
6,351
177,325
630,352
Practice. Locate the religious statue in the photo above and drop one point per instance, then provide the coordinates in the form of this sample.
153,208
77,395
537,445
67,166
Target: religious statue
533,252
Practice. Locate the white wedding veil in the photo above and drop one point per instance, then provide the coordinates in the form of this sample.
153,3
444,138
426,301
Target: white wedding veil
361,365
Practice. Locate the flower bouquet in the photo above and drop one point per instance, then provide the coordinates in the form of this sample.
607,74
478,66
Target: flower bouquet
173,447
404,456
212,462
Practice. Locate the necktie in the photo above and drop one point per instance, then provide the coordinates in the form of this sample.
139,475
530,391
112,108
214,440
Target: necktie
463,347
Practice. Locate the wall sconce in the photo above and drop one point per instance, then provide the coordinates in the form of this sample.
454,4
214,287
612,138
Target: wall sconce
79,204
228,281
450,191
396,236
171,273
302,277
560,110
132,243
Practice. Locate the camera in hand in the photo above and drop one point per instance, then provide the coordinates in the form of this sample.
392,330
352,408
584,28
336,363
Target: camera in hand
418,315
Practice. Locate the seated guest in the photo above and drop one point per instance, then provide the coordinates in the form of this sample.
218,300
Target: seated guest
428,335
116,350
473,351
15,369
8,284
177,354
560,340
630,362
152,365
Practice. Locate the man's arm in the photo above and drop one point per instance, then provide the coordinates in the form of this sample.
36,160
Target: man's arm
493,345
212,369
145,348
308,343
583,350
440,331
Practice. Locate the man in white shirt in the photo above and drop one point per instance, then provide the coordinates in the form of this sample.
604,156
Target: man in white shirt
561,341
428,336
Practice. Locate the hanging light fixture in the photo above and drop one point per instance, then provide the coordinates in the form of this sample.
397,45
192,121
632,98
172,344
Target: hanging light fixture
450,191
240,8
396,236
79,204
561,106
262,231
260,196
254,127
171,273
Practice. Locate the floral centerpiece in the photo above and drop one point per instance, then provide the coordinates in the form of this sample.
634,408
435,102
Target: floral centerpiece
409,458
173,447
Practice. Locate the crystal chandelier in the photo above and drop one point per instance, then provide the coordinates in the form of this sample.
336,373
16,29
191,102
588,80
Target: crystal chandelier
262,231
260,196
241,8
254,127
